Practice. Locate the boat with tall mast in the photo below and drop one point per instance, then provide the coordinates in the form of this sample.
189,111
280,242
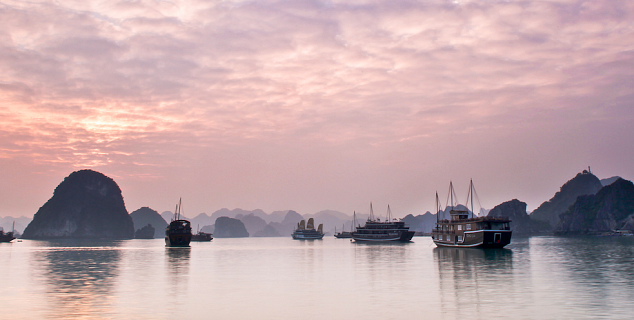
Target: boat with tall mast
376,230
307,231
179,232
347,234
201,236
464,229
7,236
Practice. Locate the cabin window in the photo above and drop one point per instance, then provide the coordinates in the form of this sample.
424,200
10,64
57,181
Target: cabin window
468,227
459,227
459,238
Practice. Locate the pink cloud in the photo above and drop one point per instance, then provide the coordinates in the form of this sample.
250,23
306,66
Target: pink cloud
320,94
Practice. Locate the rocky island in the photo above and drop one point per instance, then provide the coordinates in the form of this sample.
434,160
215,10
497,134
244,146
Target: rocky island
583,183
144,216
230,228
609,209
87,204
521,223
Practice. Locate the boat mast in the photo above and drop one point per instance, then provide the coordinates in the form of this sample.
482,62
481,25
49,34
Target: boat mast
451,191
371,217
451,195
471,192
354,213
389,214
437,210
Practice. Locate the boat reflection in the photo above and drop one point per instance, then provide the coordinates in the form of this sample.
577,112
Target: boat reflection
471,278
381,260
79,276
178,260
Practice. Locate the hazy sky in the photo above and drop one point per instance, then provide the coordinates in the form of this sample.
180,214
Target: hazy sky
313,105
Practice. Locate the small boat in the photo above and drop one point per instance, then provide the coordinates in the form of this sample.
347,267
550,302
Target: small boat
179,232
202,236
464,230
346,234
389,230
308,232
7,236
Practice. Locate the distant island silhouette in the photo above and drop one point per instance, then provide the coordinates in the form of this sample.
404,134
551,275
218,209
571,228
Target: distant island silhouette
88,204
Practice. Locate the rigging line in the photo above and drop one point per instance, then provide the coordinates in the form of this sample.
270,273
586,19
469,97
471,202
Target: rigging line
468,194
477,198
448,195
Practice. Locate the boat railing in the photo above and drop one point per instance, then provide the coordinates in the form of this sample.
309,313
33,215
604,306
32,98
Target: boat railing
477,219
443,231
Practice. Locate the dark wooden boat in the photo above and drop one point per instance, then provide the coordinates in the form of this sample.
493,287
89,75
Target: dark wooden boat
343,235
389,230
465,230
179,232
7,236
202,236
346,234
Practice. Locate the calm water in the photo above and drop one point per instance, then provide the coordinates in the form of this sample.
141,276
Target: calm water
279,278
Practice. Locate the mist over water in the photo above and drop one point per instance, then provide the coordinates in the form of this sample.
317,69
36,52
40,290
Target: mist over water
279,278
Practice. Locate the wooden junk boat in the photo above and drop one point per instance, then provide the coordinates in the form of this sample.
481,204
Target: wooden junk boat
202,236
464,230
308,232
389,230
7,236
346,234
179,232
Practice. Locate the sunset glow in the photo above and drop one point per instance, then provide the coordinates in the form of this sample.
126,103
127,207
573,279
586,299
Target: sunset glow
313,105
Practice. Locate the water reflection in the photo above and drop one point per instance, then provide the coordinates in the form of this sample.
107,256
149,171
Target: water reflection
79,276
383,261
472,279
594,272
178,260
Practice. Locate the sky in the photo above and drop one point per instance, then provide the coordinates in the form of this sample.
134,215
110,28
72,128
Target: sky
313,105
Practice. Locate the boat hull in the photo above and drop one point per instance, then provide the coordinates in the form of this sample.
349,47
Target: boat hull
307,235
178,234
6,237
201,237
178,240
403,236
476,239
343,235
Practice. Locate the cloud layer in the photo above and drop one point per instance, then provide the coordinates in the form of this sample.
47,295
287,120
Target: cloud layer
314,104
